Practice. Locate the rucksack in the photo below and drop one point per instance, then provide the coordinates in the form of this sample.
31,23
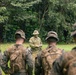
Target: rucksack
17,58
70,66
48,57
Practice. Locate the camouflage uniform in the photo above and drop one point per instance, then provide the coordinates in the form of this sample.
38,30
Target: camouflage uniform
44,60
35,42
20,59
66,64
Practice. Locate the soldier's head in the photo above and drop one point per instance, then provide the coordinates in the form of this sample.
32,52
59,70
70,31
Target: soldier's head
52,37
20,36
35,33
73,34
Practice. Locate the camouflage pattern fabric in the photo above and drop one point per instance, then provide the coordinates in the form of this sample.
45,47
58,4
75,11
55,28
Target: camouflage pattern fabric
19,58
35,43
44,60
52,34
66,64
35,32
21,33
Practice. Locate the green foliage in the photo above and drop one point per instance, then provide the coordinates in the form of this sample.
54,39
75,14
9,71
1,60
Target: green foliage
44,15
61,15
9,32
3,14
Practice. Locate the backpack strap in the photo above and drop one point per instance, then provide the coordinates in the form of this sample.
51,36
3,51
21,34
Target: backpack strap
67,65
48,53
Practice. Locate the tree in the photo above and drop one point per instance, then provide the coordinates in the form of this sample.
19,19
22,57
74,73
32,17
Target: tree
44,15
15,13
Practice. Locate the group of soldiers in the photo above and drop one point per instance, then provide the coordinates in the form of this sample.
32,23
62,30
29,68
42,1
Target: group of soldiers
50,61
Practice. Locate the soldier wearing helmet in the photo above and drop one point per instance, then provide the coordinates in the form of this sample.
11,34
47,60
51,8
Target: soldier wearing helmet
19,57
35,42
66,63
44,60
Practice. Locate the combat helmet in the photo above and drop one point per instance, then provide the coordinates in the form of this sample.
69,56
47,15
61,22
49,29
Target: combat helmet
35,32
73,30
52,34
21,33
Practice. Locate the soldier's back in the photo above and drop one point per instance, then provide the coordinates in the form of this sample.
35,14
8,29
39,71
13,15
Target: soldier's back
48,57
65,64
16,55
70,63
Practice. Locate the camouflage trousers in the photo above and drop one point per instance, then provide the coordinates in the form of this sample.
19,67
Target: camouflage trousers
19,73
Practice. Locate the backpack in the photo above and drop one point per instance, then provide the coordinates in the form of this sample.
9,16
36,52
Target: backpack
17,58
48,57
70,66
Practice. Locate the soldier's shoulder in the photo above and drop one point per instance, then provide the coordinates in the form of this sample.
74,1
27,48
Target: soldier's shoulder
31,38
10,48
45,51
22,47
74,48
66,55
28,51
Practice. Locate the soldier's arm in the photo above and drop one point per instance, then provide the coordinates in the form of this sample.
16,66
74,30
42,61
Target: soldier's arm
4,64
38,65
31,43
29,62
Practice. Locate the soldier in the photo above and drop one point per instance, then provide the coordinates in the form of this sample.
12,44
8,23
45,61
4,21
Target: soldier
44,60
20,57
66,63
35,42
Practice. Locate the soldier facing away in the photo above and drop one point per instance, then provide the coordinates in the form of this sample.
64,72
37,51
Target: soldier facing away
66,64
20,57
44,60
35,41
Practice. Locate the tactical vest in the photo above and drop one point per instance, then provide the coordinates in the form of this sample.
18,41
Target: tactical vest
17,58
48,57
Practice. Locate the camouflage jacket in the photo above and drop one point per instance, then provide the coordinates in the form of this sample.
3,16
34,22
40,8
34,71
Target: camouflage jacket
41,66
35,42
24,60
65,64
